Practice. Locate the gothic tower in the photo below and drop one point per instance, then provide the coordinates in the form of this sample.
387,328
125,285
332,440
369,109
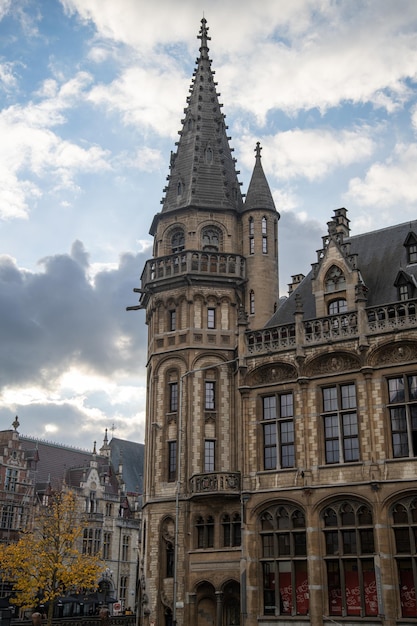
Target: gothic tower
213,273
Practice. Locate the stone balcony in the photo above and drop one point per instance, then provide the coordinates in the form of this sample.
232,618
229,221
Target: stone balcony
398,316
211,483
218,264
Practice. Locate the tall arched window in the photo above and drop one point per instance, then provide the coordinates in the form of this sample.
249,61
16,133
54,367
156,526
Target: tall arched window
349,540
251,236
284,561
404,525
264,236
252,302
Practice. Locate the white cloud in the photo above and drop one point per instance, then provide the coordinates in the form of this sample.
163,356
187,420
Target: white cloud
145,97
389,184
311,153
34,158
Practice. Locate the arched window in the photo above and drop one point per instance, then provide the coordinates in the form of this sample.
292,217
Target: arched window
349,540
335,279
251,236
264,236
337,306
211,238
284,561
404,526
177,241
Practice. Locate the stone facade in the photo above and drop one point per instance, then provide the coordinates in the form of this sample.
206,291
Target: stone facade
281,437
109,511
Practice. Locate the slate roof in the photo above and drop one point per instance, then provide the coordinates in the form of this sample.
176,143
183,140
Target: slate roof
56,460
259,193
381,256
132,456
202,171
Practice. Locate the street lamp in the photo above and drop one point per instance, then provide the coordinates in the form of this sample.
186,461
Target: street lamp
178,486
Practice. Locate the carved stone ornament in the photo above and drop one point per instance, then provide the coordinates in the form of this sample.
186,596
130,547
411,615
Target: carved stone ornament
400,352
273,373
331,363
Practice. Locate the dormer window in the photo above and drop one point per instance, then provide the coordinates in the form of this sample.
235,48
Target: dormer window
410,245
335,279
405,284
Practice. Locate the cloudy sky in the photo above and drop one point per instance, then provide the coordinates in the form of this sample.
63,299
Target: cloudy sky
91,97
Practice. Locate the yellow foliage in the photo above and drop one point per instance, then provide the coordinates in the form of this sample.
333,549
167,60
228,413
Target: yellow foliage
48,562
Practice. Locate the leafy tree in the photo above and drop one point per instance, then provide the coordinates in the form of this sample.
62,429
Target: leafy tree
47,562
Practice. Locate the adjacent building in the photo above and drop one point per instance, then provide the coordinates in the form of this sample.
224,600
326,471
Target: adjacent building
108,486
281,437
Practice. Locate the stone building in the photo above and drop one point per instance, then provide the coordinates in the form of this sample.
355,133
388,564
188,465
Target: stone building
108,486
281,438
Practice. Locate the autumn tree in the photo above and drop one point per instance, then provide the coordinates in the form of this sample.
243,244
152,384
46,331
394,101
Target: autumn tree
48,562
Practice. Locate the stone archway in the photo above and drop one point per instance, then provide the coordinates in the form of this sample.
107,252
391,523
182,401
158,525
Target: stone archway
231,603
206,605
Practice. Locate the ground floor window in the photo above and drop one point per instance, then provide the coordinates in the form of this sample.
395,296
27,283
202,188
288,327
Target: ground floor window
404,518
349,541
284,563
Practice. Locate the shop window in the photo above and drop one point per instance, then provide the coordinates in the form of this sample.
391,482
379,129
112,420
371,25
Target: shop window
404,526
284,561
349,541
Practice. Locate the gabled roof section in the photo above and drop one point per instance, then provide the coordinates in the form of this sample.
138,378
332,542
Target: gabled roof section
259,194
379,256
202,171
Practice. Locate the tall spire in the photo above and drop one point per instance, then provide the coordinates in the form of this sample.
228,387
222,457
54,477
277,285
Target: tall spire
202,171
259,194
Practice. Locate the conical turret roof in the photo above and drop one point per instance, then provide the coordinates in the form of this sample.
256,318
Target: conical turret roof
202,171
259,194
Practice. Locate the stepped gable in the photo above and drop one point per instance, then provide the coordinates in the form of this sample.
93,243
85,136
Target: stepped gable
259,193
202,171
381,255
